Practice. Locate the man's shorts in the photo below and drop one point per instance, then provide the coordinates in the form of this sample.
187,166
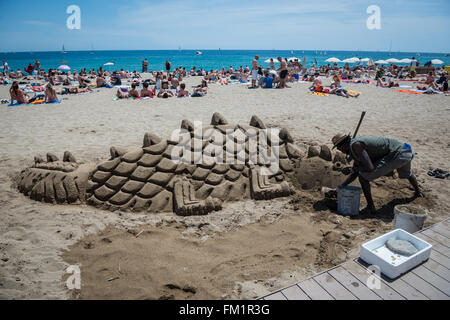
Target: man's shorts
254,74
401,163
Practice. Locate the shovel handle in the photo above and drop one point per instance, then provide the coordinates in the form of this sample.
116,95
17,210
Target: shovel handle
363,114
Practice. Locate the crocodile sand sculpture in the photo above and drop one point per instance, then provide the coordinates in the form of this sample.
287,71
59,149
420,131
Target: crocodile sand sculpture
148,179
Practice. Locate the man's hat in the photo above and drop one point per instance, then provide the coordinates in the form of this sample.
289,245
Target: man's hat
337,139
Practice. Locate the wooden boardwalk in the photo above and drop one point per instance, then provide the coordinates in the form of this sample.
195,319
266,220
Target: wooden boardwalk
348,281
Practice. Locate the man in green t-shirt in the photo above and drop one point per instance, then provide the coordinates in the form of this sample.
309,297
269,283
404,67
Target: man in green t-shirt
375,157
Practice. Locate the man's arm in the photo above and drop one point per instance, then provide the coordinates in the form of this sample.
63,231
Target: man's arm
367,165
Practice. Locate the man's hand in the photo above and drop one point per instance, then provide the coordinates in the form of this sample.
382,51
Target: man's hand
347,170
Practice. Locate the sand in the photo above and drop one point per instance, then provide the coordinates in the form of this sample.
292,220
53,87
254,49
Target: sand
241,252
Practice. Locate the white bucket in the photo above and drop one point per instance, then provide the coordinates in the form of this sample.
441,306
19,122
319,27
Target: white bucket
348,200
409,218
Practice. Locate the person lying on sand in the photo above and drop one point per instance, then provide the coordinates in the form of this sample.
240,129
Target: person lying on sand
17,94
337,88
375,157
165,93
183,92
74,90
50,94
389,84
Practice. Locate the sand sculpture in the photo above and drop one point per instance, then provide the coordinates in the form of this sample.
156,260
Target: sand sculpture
148,179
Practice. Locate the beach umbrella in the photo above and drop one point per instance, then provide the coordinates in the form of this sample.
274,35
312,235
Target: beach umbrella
293,59
64,67
370,62
381,62
393,60
351,60
437,61
365,60
109,64
333,60
274,60
406,60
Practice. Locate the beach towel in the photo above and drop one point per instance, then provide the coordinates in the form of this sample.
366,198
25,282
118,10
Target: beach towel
409,91
353,92
318,94
33,103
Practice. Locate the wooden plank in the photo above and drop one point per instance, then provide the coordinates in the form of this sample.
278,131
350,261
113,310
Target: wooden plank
446,223
403,288
314,291
357,288
424,287
437,268
275,296
333,287
437,237
437,247
441,229
433,279
295,293
362,274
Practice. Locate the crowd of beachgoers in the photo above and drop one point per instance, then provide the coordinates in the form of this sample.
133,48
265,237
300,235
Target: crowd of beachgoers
169,82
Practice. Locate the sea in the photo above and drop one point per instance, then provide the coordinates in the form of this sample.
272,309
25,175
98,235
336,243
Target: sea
208,59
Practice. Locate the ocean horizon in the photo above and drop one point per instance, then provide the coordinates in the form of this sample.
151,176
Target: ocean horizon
210,59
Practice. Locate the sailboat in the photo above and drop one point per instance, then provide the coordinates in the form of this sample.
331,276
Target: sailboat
92,49
64,50
198,53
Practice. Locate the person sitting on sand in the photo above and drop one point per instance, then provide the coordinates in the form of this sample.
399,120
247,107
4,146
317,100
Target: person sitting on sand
17,94
337,88
50,94
201,89
268,81
431,81
115,79
122,93
101,83
145,92
443,82
317,83
375,157
183,92
174,82
134,92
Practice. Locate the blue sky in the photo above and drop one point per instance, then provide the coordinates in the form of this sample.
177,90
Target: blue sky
411,25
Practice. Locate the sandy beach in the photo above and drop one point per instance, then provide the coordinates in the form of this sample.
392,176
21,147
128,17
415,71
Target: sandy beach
241,252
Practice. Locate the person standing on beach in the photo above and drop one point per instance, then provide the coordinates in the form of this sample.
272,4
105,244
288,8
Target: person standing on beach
37,65
144,65
168,66
5,68
254,71
413,67
375,157
283,72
